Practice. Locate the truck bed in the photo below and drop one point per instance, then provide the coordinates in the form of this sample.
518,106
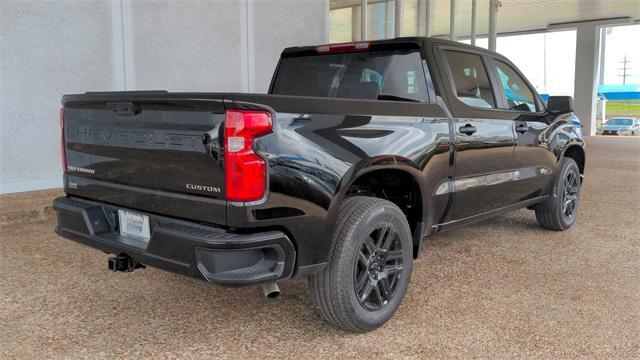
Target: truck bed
162,152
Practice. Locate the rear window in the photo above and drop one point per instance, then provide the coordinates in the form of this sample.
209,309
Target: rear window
384,75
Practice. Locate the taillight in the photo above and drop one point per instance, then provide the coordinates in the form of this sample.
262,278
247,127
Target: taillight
245,171
343,47
63,152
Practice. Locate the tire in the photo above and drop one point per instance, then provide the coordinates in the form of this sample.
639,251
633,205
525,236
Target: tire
566,191
365,227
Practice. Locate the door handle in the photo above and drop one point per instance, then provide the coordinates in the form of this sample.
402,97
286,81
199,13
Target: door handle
522,128
468,129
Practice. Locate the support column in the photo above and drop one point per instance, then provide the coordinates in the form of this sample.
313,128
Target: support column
387,23
356,23
602,103
603,48
363,20
474,17
425,11
452,21
429,20
586,75
493,23
398,19
588,49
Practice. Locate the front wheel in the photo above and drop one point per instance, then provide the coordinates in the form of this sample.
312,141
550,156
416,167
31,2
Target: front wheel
369,270
566,191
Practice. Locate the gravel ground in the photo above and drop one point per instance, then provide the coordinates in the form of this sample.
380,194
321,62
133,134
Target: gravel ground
503,288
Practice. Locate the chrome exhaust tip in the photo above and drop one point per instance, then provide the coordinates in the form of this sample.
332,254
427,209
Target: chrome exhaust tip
271,290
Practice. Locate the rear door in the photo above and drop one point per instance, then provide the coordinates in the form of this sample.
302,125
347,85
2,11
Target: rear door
153,153
484,140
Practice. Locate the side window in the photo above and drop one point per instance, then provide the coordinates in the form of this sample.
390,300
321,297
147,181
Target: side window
470,78
519,95
405,78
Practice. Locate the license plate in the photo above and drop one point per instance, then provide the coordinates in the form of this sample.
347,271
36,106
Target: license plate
134,225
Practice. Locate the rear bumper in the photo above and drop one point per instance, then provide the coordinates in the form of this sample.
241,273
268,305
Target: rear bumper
206,252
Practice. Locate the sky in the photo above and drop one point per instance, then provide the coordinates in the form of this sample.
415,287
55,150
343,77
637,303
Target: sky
621,41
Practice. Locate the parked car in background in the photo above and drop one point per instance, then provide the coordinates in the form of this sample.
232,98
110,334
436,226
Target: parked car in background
621,126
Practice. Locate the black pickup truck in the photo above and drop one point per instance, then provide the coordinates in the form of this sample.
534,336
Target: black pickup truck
357,152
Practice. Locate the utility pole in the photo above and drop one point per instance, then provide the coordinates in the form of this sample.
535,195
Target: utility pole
625,69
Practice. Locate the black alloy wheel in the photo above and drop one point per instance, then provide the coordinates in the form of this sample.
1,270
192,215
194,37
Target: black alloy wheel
559,212
570,196
378,267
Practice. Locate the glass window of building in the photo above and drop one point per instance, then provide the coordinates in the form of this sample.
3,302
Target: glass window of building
341,25
381,19
409,17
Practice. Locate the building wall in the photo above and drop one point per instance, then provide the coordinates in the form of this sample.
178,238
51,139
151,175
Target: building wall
46,49
50,48
189,46
269,18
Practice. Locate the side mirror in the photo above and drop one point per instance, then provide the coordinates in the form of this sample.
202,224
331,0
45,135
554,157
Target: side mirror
560,104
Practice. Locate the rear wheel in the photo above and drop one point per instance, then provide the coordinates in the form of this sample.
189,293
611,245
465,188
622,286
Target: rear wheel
369,270
562,214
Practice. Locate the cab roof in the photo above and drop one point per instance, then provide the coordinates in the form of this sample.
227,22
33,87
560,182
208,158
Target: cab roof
402,43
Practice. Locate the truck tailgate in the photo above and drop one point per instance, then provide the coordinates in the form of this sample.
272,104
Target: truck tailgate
150,151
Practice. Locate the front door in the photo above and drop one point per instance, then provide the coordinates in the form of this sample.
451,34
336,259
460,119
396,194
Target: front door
535,163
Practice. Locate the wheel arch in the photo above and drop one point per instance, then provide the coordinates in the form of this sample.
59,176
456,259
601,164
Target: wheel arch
577,153
397,173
